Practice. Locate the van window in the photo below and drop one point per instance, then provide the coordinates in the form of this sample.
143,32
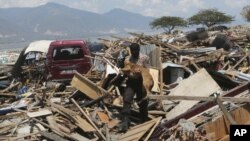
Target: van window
68,53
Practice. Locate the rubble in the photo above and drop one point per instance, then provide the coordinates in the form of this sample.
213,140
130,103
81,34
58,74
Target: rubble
196,83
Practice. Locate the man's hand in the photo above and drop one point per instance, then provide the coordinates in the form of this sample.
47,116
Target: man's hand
135,73
137,70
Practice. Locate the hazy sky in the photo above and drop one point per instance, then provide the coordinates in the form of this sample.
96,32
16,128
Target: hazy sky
155,8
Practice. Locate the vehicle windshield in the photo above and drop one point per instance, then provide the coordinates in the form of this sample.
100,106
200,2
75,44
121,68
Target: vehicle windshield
68,53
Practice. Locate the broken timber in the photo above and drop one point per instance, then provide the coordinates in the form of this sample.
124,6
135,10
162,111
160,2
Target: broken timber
219,128
52,136
198,109
224,110
80,122
86,86
135,133
39,113
54,129
87,117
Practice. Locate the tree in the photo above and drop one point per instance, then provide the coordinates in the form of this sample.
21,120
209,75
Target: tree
246,13
210,17
168,23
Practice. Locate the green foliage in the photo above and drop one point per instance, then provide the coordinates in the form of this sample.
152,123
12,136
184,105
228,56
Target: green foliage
168,23
246,13
210,17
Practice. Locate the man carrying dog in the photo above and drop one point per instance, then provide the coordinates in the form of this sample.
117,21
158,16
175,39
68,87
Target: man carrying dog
134,86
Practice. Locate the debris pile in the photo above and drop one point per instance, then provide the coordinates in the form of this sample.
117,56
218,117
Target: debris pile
192,73
185,131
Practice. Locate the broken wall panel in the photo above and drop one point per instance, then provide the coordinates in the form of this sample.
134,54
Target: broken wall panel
199,84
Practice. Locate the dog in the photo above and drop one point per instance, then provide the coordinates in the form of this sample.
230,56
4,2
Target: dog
131,68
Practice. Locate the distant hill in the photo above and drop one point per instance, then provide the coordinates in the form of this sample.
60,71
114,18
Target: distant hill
55,21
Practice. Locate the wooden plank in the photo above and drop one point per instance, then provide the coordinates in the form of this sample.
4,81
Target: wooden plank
225,112
8,94
243,58
83,124
136,132
103,117
7,127
52,122
155,112
86,86
112,123
225,138
52,136
57,131
220,127
23,136
198,98
151,131
65,111
241,115
210,57
80,122
87,117
11,115
64,128
217,128
155,74
242,89
10,87
161,74
199,84
155,57
42,112
78,137
195,65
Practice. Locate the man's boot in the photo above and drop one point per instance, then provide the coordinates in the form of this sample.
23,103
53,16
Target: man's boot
124,125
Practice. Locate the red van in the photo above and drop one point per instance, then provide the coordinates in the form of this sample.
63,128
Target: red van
65,56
